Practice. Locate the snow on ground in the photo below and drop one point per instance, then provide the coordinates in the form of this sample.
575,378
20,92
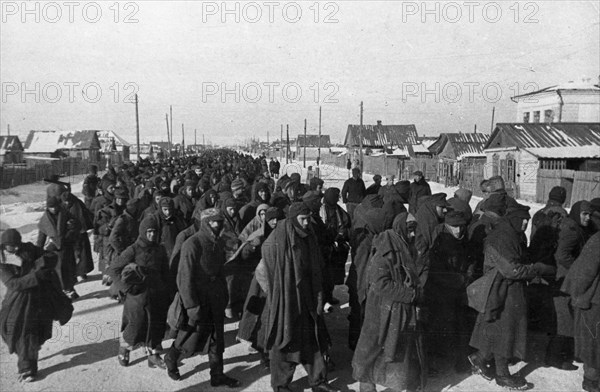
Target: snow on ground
82,354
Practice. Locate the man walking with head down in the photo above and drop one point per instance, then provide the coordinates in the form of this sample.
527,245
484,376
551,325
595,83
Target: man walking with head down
290,275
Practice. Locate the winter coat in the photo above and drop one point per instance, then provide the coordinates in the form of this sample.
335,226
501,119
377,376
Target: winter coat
291,277
104,222
502,328
145,309
390,340
582,283
83,249
185,205
417,190
169,228
353,191
25,315
202,288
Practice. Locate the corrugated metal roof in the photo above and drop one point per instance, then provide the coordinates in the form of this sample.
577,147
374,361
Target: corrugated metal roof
50,141
557,140
382,136
313,141
10,143
463,144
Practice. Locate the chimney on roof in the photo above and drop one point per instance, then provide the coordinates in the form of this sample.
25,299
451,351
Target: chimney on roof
378,123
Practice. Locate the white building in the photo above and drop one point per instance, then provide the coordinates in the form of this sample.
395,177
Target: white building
568,103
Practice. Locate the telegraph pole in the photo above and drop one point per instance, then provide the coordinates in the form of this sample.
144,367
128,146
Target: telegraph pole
305,143
287,147
281,144
182,141
137,128
196,140
319,149
171,137
493,114
361,138
168,133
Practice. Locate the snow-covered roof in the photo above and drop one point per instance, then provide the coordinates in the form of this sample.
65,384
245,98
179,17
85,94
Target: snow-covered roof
571,86
9,144
50,141
557,140
420,149
105,136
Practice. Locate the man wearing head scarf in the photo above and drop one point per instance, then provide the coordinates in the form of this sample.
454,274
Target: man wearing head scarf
492,210
582,284
90,185
500,332
336,237
430,215
25,315
574,232
83,249
389,351
203,292
290,275
545,227
105,221
369,220
184,202
262,195
59,231
460,202
449,275
170,223
142,268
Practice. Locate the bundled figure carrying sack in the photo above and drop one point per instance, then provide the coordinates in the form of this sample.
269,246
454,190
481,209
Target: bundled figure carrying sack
142,269
33,299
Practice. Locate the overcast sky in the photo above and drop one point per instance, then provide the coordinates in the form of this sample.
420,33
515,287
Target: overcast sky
385,53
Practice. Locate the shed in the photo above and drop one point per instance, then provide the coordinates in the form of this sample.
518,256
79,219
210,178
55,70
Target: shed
311,142
533,157
450,149
57,144
11,150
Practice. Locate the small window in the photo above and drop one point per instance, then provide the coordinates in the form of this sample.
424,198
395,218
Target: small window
536,116
526,117
549,116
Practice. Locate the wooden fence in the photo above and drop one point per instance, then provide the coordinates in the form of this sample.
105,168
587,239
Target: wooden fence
580,185
15,175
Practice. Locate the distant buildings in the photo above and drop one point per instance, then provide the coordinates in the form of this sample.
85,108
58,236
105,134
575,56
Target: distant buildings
62,144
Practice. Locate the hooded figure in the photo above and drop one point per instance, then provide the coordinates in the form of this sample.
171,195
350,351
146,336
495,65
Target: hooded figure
574,233
500,331
203,294
83,248
430,214
25,315
582,283
208,200
61,230
142,268
256,223
290,275
262,195
368,223
389,351
336,238
170,223
449,275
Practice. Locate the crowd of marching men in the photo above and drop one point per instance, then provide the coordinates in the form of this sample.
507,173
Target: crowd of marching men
186,244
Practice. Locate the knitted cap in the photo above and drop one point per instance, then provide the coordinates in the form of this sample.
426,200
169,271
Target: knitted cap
558,194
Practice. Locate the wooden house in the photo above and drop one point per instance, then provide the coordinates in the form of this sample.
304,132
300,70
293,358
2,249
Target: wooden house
534,157
11,150
454,153
61,144
116,149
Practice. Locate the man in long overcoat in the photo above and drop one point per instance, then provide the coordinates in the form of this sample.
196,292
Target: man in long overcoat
290,274
203,291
